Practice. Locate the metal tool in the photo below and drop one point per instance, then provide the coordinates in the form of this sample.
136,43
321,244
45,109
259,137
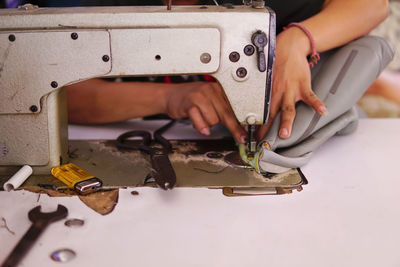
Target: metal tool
39,221
251,141
162,170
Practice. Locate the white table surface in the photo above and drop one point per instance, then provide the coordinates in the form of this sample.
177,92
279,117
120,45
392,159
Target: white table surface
348,215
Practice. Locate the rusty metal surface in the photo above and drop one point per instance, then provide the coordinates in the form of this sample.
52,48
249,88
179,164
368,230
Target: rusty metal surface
123,168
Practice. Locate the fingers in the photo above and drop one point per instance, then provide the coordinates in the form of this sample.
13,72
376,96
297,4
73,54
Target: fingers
273,111
230,122
288,113
226,115
311,99
262,132
275,105
288,109
208,107
276,101
198,121
205,107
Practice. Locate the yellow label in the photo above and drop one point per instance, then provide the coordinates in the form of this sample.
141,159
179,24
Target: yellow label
70,174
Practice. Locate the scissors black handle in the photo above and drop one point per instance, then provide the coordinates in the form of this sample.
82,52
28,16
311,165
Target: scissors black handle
167,147
162,170
146,140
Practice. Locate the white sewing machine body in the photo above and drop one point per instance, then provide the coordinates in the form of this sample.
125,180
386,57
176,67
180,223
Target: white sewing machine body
44,49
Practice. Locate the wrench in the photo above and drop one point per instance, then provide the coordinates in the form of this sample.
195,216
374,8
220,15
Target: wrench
39,221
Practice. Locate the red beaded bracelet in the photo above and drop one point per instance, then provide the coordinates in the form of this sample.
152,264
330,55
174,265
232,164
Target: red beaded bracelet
314,58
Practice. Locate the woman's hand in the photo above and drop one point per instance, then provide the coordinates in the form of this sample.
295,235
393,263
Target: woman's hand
205,104
291,81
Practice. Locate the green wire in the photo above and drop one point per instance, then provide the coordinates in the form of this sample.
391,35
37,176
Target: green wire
243,154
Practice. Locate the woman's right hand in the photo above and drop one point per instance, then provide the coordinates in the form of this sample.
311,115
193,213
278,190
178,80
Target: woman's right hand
205,104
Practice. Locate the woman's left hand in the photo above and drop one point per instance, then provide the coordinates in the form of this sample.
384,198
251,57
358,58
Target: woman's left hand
291,81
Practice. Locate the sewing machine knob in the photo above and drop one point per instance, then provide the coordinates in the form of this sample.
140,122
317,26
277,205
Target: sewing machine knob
251,119
260,40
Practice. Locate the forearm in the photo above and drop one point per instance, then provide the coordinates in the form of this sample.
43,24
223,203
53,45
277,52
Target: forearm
342,21
100,101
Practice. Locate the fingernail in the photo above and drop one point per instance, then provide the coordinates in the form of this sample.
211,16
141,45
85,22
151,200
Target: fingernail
283,132
205,131
322,110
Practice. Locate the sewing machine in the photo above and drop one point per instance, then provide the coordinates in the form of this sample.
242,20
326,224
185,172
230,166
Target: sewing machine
44,49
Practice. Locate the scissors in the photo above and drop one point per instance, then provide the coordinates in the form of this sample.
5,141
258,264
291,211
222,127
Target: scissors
162,170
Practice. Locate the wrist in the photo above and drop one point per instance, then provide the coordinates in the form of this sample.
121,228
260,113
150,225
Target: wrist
299,38
164,94
305,41
294,40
